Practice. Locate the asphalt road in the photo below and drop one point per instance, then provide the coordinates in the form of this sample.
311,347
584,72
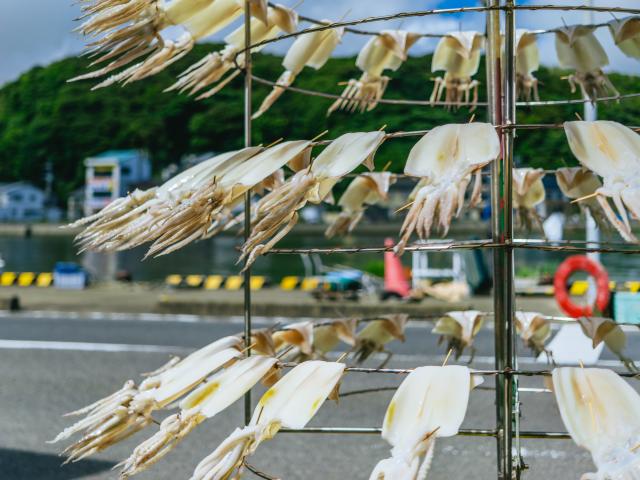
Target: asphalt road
53,364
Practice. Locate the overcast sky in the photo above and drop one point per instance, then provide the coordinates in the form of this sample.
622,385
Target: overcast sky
37,32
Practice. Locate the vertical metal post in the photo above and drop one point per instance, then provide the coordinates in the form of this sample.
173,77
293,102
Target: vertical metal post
502,112
247,198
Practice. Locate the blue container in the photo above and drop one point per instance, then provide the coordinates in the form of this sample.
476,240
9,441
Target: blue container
626,307
69,275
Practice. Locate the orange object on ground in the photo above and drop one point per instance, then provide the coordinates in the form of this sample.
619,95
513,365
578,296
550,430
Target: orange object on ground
395,280
565,270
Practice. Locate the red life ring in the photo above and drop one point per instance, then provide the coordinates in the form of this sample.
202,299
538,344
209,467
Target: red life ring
597,271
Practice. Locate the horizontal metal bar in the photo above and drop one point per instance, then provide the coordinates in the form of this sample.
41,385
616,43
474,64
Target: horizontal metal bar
463,432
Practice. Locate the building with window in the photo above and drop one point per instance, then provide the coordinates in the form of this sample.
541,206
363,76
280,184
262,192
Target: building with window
113,174
21,202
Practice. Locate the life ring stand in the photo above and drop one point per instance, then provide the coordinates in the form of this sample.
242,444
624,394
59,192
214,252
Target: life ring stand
567,268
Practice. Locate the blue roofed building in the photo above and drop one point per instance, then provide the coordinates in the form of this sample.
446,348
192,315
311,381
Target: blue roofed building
113,174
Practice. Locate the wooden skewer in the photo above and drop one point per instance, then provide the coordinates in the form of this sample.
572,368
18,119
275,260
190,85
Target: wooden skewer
586,197
446,359
404,207
387,166
274,143
381,129
320,135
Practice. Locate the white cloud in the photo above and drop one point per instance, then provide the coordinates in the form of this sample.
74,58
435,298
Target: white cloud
36,32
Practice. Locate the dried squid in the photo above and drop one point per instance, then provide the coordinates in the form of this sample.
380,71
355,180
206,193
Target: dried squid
290,403
535,330
527,62
326,337
191,220
309,50
385,51
212,68
528,193
459,329
579,49
311,184
612,151
580,182
602,414
431,402
212,397
377,334
120,415
444,159
130,30
458,55
606,330
626,35
366,189
137,218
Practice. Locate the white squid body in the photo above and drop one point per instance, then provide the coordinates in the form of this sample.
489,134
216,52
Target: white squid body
312,184
216,65
212,397
534,329
459,329
578,182
602,414
327,337
444,159
606,330
431,402
385,51
309,50
612,151
191,220
138,218
378,333
120,415
528,193
578,49
458,55
290,403
626,35
366,189
527,62
298,335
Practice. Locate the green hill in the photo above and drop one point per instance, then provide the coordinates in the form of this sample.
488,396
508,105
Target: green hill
43,118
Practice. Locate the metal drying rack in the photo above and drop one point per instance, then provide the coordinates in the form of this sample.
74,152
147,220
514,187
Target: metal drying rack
501,111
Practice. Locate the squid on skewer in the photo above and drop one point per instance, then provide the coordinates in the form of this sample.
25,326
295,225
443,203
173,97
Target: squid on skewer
527,62
213,67
290,403
602,414
612,151
120,415
431,402
191,220
132,30
309,50
528,193
459,329
311,184
444,159
385,51
626,35
458,55
535,330
377,334
133,220
579,49
327,337
212,397
606,330
366,189
577,183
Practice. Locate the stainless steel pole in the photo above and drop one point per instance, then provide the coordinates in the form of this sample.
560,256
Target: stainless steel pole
502,111
247,198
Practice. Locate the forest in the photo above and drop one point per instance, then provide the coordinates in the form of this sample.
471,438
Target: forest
44,118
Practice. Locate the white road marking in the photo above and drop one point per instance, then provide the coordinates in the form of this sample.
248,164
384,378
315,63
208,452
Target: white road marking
89,347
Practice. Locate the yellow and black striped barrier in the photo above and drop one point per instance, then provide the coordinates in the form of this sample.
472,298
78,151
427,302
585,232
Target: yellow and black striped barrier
26,279
236,282
579,288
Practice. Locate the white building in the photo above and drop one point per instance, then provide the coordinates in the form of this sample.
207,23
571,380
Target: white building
112,174
21,202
